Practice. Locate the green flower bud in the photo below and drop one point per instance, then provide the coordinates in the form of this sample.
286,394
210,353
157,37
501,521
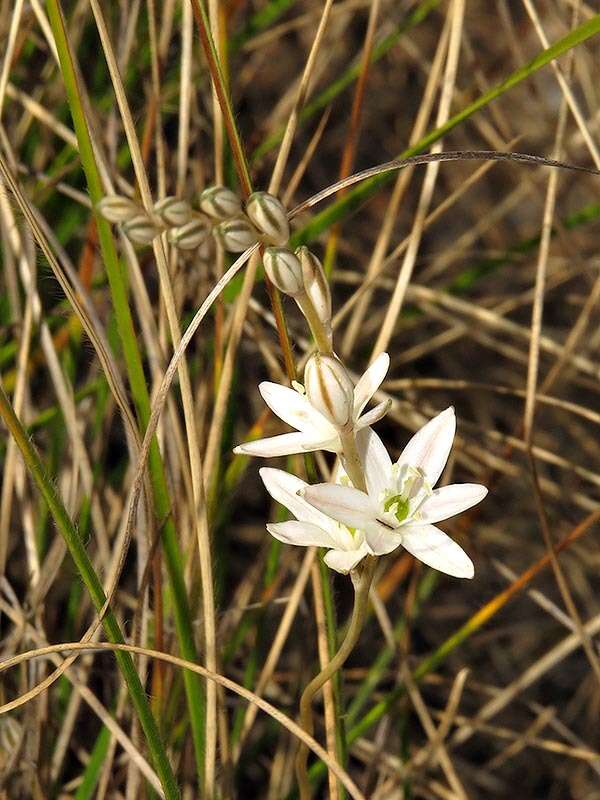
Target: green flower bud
191,235
329,389
116,208
284,270
236,235
316,284
268,216
173,211
141,229
220,203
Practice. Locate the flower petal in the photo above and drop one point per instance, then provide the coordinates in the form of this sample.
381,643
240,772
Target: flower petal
332,445
344,503
451,500
300,533
374,415
431,546
284,487
376,462
430,447
344,560
369,382
285,445
382,539
295,409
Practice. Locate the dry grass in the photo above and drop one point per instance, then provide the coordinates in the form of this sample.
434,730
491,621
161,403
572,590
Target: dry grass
481,280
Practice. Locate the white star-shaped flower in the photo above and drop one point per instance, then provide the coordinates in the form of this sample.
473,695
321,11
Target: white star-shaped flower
400,505
345,547
314,430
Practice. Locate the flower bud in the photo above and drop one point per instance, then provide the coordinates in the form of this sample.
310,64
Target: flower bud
220,203
191,235
173,211
316,284
236,235
141,229
116,208
329,389
268,216
284,270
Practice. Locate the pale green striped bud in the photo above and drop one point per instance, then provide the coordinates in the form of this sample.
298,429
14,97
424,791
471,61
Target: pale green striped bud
268,216
141,229
329,389
284,270
116,208
316,284
173,211
220,203
236,235
191,235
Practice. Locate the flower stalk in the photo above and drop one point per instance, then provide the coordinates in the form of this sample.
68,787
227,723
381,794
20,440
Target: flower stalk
317,328
362,579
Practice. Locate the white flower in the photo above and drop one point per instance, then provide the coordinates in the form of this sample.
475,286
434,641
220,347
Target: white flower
315,432
401,505
345,547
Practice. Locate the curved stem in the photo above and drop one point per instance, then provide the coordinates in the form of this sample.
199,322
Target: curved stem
317,328
362,584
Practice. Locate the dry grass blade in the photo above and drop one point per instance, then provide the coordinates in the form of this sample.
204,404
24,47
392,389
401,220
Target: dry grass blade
431,158
263,705
456,13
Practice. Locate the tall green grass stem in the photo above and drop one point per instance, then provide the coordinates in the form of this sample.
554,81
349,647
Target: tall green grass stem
120,298
85,568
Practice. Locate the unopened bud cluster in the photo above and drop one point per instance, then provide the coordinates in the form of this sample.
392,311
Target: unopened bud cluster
236,225
264,219
186,229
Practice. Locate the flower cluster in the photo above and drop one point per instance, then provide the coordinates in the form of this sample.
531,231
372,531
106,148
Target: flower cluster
373,506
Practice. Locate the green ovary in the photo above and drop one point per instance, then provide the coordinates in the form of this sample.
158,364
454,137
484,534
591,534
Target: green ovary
398,506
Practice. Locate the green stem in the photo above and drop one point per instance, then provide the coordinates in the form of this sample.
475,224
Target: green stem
82,561
320,335
362,584
336,681
137,381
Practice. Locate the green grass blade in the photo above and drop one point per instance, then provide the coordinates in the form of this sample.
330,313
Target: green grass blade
91,776
86,570
259,21
139,389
